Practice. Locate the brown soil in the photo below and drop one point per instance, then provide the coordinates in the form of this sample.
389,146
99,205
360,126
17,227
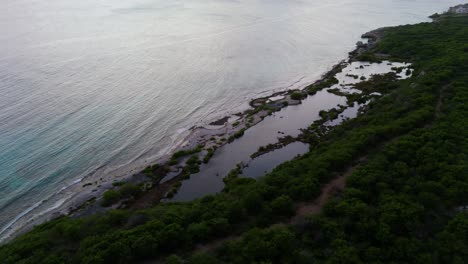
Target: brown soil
329,190
440,100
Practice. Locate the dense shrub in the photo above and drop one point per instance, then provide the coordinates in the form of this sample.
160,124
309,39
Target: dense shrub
297,96
110,197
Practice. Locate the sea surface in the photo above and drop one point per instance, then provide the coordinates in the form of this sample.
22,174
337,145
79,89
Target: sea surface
101,87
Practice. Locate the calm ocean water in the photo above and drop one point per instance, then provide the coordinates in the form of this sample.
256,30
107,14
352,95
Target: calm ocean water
95,87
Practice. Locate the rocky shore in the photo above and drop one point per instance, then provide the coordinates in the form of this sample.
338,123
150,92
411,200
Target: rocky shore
163,176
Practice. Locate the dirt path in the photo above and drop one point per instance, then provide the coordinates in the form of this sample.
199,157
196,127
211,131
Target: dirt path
439,101
337,185
303,209
213,244
329,190
306,209
313,208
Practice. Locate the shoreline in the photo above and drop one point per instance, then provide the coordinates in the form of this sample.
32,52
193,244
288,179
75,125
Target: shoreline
82,201
364,138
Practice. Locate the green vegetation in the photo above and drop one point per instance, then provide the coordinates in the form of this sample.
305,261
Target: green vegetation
403,203
283,141
236,135
337,91
183,153
209,155
156,172
118,183
370,57
434,16
376,83
173,191
314,88
297,95
193,164
331,114
110,197
125,191
233,175
398,69
268,107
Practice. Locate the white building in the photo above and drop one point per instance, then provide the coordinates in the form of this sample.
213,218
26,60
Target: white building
459,9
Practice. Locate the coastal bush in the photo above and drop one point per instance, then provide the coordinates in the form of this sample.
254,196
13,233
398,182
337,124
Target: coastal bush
261,246
129,189
154,171
110,197
314,88
330,114
282,206
297,96
193,164
126,190
174,259
208,156
203,258
403,201
369,57
236,135
434,16
184,153
118,183
148,171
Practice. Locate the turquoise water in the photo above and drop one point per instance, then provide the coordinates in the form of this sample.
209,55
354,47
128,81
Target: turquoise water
99,88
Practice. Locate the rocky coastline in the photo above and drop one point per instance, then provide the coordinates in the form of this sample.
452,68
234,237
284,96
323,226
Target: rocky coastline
163,176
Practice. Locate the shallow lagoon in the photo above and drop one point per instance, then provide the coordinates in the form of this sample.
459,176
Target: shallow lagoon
288,121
